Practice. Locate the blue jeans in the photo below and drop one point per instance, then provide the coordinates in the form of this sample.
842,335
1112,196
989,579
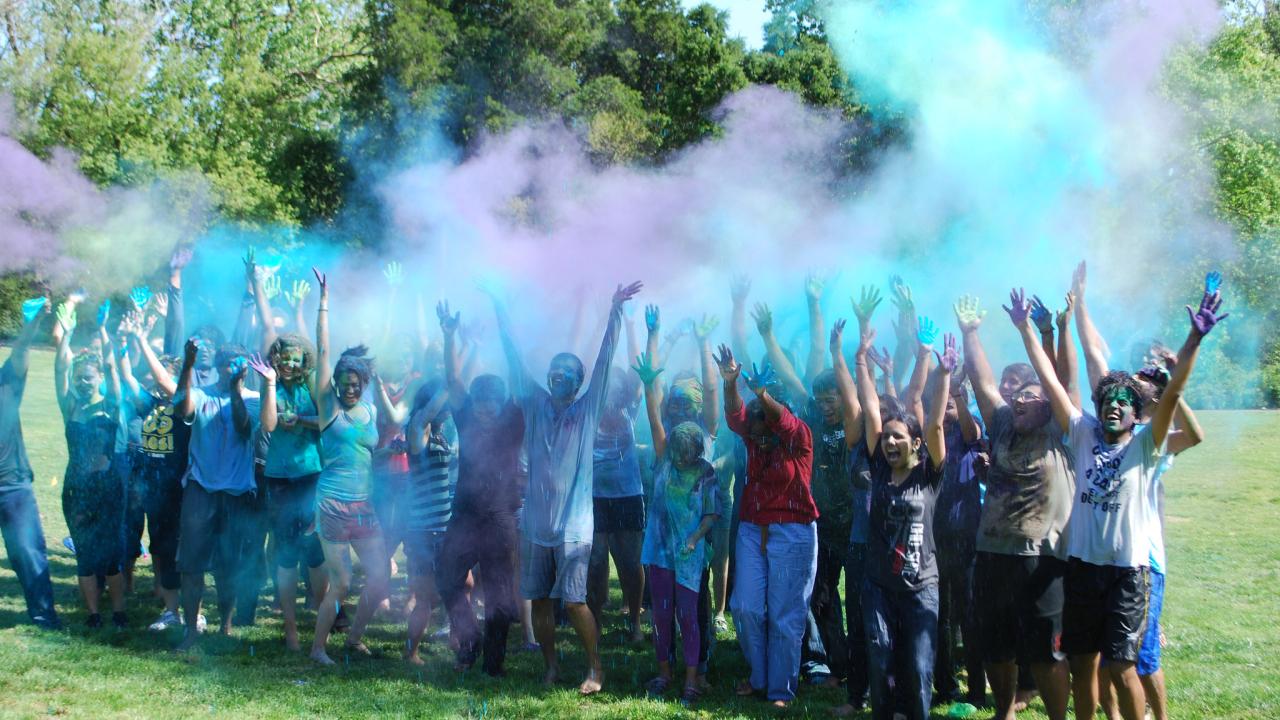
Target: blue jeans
902,630
772,585
24,543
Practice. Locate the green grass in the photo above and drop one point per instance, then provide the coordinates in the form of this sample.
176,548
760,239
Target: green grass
1223,659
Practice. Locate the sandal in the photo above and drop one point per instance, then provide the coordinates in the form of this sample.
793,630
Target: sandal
690,695
657,687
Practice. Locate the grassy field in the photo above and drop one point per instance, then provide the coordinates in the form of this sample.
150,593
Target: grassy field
1223,658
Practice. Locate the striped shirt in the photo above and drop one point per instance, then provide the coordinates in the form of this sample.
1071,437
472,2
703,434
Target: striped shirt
433,475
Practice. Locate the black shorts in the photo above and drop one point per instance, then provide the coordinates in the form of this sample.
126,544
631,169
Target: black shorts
291,507
1105,611
1019,601
624,514
212,528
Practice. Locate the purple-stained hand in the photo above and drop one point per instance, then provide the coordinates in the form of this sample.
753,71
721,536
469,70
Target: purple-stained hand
1206,318
950,357
1018,308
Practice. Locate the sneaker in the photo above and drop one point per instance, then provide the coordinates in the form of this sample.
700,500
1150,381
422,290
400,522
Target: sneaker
50,622
722,625
94,621
167,619
201,623
120,620
69,544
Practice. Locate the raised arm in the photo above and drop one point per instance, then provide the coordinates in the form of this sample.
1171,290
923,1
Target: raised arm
985,391
711,403
174,322
65,325
240,419
652,404
324,369
597,393
934,438
392,272
1091,342
167,384
1043,319
926,334
1020,313
773,352
905,328
813,288
867,394
730,369
34,311
186,406
267,411
1186,432
633,343
449,323
110,363
1068,366
418,431
253,279
1203,320
296,296
970,431
850,408
739,289
522,382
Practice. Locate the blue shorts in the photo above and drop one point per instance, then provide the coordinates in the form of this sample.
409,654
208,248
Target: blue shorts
1149,651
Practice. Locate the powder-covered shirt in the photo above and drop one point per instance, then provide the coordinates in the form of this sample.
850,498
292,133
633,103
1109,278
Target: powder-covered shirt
219,457
432,479
832,480
293,452
346,446
681,499
777,488
860,502
901,553
559,444
1114,506
617,466
1157,555
1029,487
490,476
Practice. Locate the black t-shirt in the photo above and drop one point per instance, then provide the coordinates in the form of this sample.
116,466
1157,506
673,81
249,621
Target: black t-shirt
161,453
832,480
901,554
15,468
489,475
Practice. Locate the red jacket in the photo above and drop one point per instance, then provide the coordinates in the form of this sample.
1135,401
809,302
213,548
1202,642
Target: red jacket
777,489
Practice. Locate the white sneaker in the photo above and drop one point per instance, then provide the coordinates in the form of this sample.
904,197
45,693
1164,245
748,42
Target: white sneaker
201,623
168,619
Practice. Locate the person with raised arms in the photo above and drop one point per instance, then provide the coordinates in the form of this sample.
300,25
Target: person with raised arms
19,516
1116,460
558,522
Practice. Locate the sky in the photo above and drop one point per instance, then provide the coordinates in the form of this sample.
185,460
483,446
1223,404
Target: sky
746,18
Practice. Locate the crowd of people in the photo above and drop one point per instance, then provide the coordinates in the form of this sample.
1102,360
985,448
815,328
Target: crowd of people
990,522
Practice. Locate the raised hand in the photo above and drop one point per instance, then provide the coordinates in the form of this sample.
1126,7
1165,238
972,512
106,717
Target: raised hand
1205,318
180,257
837,337
130,324
764,318
901,296
449,322
33,307
950,357
645,369
1064,317
239,367
160,304
865,340
1212,282
882,358
190,349
298,293
623,294
652,318
271,286
322,281
392,272
263,368
140,296
1079,279
865,306
968,313
927,332
250,267
703,330
104,311
740,288
470,332
1018,308
760,378
814,284
1041,315
958,377
730,369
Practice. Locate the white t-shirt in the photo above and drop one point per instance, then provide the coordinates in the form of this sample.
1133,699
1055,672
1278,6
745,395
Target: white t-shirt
1114,510
1157,524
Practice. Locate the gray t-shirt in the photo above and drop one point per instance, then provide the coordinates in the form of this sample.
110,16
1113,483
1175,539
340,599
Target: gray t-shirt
15,468
1029,488
219,457
560,446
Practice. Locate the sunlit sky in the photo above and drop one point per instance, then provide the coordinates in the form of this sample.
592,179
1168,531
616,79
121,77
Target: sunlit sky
746,18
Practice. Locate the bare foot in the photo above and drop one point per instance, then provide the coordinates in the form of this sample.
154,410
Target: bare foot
1023,699
322,657
291,642
359,648
593,684
845,710
414,659
780,704
551,677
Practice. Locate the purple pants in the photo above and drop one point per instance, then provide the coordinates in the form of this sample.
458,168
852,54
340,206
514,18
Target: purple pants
669,597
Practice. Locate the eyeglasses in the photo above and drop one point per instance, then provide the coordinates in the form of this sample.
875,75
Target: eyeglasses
1027,396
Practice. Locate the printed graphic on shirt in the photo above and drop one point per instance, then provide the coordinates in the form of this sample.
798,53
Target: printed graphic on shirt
904,520
1104,481
157,430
